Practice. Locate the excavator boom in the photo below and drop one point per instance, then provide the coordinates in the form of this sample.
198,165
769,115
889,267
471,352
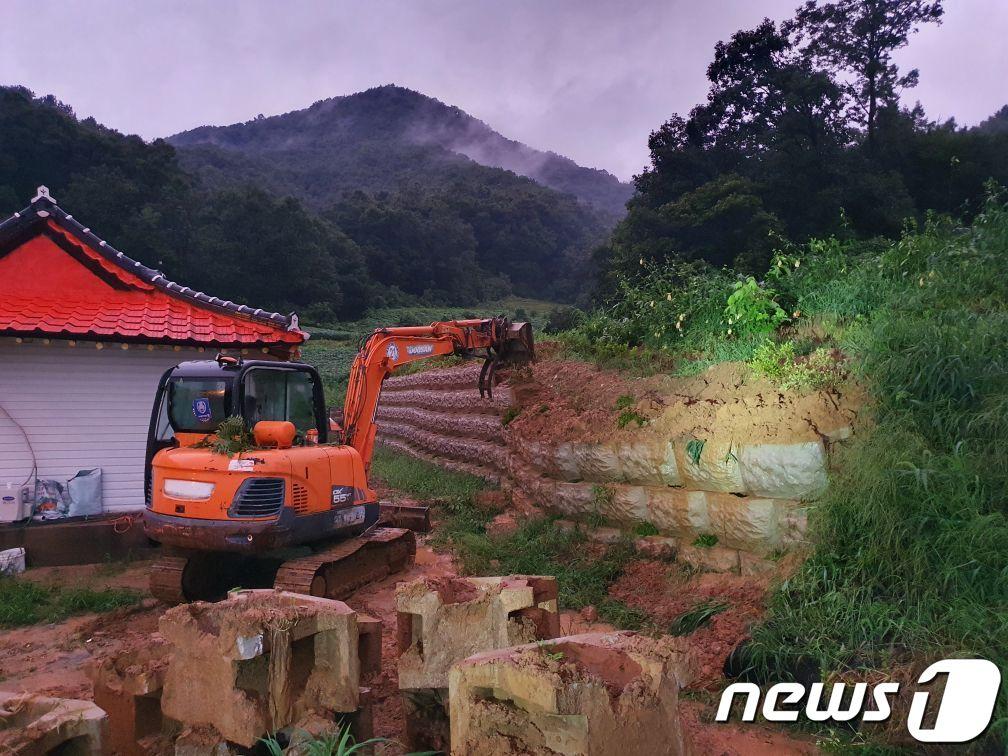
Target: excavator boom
498,340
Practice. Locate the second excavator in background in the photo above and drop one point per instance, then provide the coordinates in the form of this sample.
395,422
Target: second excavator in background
249,483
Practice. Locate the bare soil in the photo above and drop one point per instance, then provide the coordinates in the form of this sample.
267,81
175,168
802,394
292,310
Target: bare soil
575,401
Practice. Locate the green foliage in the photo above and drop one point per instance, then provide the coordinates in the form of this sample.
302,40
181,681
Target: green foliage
694,448
340,742
645,529
509,414
779,363
698,616
232,437
631,416
706,541
911,534
537,547
752,309
625,401
23,602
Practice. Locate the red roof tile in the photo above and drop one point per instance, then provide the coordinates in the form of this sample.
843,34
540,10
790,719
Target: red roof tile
53,280
126,315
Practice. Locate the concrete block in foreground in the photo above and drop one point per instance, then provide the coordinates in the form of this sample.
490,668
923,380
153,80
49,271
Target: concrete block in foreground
32,725
442,621
260,661
587,695
127,685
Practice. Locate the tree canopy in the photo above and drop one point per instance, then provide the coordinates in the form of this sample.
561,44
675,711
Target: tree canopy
802,135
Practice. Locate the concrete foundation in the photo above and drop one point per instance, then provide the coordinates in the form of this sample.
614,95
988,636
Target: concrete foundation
593,694
128,686
440,622
33,726
262,660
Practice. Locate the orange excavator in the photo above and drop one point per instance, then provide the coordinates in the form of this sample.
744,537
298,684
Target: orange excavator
291,506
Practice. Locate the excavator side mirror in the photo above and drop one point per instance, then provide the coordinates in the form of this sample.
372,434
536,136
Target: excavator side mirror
276,434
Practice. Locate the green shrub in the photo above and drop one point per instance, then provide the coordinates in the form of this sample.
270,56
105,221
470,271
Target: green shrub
779,363
752,309
706,541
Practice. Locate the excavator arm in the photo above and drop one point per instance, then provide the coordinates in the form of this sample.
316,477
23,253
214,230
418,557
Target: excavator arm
497,340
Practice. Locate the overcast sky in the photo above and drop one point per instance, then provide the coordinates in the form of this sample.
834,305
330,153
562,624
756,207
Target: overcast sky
585,78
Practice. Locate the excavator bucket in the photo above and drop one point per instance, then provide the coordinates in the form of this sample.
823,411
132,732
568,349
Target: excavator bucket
518,348
514,348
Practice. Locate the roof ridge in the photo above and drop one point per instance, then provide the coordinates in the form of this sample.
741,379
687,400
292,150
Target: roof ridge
43,205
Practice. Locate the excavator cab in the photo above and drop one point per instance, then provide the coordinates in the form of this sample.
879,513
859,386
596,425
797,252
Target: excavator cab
193,399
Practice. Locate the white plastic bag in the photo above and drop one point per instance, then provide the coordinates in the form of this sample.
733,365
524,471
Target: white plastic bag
85,490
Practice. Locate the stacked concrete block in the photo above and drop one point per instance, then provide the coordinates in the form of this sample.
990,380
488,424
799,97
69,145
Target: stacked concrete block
262,660
442,621
127,685
582,695
33,725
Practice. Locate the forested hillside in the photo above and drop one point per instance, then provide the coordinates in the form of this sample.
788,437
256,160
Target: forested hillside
482,233
383,139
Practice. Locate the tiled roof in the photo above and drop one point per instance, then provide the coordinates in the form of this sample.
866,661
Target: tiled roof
115,296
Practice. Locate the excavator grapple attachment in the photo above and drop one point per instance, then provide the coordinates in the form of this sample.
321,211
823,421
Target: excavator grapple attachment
513,348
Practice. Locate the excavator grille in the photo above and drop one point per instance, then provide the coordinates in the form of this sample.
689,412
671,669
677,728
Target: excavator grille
258,497
299,498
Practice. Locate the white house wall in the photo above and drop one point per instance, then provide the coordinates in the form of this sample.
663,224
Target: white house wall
82,407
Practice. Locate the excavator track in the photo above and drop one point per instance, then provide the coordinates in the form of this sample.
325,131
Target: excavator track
340,570
166,579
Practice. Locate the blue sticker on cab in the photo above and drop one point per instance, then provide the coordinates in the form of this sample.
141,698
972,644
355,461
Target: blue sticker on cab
201,408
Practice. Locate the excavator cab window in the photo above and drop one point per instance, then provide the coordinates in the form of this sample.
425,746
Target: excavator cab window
198,405
279,395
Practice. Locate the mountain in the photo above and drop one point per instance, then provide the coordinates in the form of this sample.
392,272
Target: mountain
435,229
380,140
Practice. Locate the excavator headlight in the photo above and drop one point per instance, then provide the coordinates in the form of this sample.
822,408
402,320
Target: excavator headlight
193,490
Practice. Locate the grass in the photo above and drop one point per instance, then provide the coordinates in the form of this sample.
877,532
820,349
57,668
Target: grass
912,534
538,547
696,617
23,602
340,742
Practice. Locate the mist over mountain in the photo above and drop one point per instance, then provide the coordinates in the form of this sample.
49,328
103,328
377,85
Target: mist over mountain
382,139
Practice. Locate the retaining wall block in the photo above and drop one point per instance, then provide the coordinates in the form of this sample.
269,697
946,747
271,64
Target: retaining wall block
598,693
717,468
259,661
441,621
786,471
744,522
37,725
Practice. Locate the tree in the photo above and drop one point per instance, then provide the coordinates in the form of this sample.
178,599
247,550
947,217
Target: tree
764,92
858,37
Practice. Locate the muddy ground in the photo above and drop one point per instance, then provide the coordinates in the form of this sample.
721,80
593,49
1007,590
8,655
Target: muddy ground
49,658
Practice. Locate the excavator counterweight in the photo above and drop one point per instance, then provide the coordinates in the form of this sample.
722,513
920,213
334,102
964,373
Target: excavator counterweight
247,484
